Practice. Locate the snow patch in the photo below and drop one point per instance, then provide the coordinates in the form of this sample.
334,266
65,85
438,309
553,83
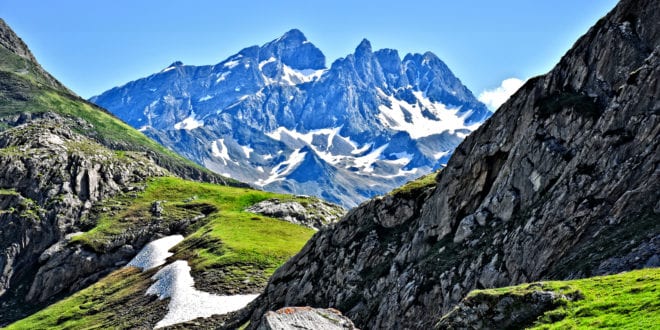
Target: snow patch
308,137
418,125
219,150
279,172
295,77
365,162
187,303
205,98
154,254
263,63
247,150
189,123
231,64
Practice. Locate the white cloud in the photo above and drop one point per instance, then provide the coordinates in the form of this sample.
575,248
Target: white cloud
493,98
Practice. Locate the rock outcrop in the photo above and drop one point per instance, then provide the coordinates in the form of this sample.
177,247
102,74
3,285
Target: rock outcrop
313,213
51,178
562,182
301,318
507,311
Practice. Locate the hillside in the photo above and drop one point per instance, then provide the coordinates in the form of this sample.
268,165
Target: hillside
624,301
560,183
81,193
229,250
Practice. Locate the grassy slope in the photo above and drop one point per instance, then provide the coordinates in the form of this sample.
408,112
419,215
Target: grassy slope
415,187
229,237
24,90
624,301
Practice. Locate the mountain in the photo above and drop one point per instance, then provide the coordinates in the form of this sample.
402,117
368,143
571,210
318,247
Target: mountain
59,155
274,116
561,182
81,193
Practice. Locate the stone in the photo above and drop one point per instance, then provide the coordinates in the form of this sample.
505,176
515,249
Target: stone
300,318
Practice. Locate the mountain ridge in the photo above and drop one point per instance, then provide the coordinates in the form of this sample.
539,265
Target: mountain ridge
281,96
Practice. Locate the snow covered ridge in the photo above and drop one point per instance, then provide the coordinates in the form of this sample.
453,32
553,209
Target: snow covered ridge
279,117
175,282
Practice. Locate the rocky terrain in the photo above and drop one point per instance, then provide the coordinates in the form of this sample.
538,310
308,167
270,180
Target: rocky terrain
313,213
276,117
291,318
59,157
562,182
79,195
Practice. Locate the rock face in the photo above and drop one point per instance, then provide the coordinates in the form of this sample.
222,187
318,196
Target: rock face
276,117
292,318
562,182
508,311
311,213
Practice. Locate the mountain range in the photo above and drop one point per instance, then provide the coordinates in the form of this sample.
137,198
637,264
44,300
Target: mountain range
546,216
276,117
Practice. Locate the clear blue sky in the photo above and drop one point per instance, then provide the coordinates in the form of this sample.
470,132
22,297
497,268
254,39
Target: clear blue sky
92,45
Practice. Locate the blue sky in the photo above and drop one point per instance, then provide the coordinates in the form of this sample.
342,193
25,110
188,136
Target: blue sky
92,46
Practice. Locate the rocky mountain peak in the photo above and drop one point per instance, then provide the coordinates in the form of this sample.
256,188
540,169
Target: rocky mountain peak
363,49
347,132
294,50
293,36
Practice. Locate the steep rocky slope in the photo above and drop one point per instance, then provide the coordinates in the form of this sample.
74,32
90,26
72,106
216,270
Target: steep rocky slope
562,182
59,157
274,116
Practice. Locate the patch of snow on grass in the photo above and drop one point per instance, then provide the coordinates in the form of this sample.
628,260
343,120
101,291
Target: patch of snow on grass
154,254
187,303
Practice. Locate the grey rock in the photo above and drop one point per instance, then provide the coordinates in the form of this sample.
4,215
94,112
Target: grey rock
510,311
465,228
298,318
310,212
589,129
157,208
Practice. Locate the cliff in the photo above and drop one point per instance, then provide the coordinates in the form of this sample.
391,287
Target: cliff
562,182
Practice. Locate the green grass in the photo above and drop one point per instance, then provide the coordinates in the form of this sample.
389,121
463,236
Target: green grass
230,239
229,236
25,89
623,301
416,186
95,307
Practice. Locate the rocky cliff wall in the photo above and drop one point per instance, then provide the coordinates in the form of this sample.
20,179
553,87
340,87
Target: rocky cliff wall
561,182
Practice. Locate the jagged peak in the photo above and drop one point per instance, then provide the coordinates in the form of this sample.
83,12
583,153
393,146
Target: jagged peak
294,35
174,65
364,47
294,50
